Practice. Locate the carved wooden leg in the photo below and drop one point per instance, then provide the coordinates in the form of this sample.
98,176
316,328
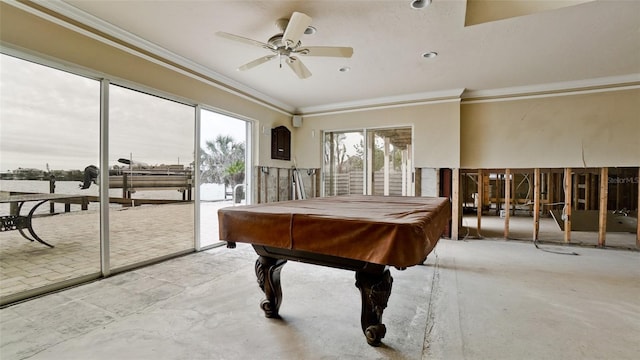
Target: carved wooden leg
375,290
268,274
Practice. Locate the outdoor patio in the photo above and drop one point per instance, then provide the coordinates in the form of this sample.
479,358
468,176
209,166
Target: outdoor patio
137,234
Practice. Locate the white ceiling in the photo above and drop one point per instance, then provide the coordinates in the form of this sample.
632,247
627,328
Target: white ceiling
593,42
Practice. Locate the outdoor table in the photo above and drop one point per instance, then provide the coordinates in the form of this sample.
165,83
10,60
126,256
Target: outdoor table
20,222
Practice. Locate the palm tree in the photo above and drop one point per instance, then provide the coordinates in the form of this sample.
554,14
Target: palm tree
222,162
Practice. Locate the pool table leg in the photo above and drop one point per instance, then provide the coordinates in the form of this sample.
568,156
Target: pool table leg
268,274
375,290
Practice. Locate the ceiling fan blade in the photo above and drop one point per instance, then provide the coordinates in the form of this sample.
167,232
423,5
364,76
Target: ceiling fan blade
298,67
243,40
256,62
298,23
332,51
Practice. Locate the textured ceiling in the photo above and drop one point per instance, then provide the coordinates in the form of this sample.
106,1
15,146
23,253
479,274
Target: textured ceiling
575,43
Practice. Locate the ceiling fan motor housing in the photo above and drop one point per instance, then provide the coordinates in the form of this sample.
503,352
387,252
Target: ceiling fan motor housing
277,43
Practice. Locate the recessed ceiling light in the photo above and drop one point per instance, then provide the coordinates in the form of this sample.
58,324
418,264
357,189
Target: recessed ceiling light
345,69
310,30
419,4
430,55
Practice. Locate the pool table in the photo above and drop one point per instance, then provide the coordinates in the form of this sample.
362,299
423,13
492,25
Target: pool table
365,234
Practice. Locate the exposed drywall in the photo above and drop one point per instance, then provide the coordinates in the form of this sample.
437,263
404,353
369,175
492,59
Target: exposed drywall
23,30
436,132
585,130
430,182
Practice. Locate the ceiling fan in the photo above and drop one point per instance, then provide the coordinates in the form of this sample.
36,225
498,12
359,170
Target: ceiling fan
286,45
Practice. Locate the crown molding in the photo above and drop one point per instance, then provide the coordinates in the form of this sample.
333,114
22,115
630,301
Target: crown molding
612,83
604,84
383,102
220,81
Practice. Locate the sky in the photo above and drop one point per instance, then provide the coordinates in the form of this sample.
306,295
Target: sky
51,118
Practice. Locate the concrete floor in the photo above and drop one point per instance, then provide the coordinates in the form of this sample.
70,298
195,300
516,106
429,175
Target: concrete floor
509,300
521,228
476,299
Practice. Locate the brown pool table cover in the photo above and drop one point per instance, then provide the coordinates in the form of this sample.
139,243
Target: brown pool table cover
387,230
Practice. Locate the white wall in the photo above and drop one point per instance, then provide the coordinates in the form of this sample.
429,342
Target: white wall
586,130
436,131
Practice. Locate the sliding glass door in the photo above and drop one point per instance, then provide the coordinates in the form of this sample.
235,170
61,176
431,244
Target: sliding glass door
151,162
391,170
371,161
62,152
224,172
49,133
344,160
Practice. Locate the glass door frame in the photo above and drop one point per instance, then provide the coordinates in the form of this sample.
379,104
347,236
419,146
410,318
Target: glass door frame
248,168
368,136
390,149
329,163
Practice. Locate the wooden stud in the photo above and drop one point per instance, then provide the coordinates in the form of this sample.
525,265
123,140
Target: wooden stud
575,178
455,203
417,181
536,203
507,201
486,188
498,194
545,190
514,195
595,191
567,204
604,195
551,194
479,199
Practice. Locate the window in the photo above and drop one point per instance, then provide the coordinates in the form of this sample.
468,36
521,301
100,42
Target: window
381,165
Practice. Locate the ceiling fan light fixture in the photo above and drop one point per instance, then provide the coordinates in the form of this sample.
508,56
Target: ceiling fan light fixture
284,46
420,4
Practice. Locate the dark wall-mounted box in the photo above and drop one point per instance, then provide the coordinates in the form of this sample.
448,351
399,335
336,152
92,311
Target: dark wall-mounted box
281,143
